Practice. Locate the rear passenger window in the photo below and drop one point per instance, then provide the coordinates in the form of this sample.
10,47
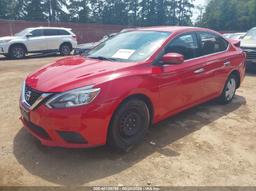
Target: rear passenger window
50,32
211,43
185,44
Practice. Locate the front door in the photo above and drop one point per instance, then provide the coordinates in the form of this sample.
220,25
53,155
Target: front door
35,42
217,62
181,85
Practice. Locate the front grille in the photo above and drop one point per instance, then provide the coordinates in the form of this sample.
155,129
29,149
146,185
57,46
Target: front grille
250,53
38,130
72,137
31,95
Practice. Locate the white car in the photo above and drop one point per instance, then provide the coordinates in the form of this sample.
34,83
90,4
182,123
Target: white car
248,44
37,40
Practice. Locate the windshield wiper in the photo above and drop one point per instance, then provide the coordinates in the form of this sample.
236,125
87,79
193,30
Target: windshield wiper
102,58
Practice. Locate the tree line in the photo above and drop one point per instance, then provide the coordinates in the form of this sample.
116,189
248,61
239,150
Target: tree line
121,12
229,15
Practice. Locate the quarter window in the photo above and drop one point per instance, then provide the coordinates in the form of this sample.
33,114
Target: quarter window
211,43
63,32
185,44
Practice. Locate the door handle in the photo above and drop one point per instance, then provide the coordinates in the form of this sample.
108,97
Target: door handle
227,64
199,71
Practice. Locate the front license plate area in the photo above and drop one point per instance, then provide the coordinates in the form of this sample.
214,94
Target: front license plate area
25,114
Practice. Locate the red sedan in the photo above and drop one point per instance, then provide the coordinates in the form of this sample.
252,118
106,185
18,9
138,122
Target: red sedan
127,83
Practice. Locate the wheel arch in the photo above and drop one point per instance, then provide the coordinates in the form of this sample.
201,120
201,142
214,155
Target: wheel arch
238,77
141,97
18,44
66,42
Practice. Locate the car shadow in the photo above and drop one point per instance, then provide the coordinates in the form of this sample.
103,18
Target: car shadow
74,167
33,56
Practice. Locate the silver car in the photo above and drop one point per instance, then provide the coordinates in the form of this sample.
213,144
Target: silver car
248,44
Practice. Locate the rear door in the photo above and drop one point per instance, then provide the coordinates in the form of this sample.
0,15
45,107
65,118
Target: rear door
53,39
217,62
181,85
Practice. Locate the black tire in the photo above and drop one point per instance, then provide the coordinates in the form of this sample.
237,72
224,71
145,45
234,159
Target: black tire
65,49
17,52
229,90
129,125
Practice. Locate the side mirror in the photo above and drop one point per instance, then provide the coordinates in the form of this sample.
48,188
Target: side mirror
172,58
29,35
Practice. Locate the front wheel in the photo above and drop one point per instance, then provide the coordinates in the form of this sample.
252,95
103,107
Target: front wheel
229,90
65,49
17,52
129,125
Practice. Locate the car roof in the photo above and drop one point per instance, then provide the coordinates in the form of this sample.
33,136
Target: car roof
61,28
174,29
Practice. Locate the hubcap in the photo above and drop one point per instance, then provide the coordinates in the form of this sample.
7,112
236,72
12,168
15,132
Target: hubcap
231,88
130,124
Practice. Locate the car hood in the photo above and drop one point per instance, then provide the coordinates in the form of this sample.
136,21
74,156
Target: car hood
8,38
250,43
74,72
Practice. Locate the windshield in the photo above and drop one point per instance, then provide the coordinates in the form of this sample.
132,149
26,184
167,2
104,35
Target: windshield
131,46
22,33
251,34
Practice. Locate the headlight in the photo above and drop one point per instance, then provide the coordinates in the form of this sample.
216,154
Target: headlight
73,98
4,41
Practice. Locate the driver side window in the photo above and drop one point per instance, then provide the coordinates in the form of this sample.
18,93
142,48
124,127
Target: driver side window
37,33
185,44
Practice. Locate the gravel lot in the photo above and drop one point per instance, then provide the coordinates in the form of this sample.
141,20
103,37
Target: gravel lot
210,145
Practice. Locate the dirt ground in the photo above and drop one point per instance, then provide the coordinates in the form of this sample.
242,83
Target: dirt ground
210,145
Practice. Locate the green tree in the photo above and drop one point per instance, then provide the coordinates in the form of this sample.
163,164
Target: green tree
115,12
3,8
232,15
55,10
122,12
34,10
97,7
79,11
184,12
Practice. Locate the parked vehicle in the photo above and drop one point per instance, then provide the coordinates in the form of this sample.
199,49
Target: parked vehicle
85,48
248,44
237,35
37,40
227,35
135,79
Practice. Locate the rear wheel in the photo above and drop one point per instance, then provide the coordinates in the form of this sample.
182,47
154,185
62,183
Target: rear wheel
229,90
65,49
129,125
17,52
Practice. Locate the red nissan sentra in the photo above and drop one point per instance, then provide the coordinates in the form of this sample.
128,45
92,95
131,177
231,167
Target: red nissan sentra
138,78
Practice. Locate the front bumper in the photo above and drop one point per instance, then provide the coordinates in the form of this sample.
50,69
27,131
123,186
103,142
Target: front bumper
250,54
80,127
4,49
